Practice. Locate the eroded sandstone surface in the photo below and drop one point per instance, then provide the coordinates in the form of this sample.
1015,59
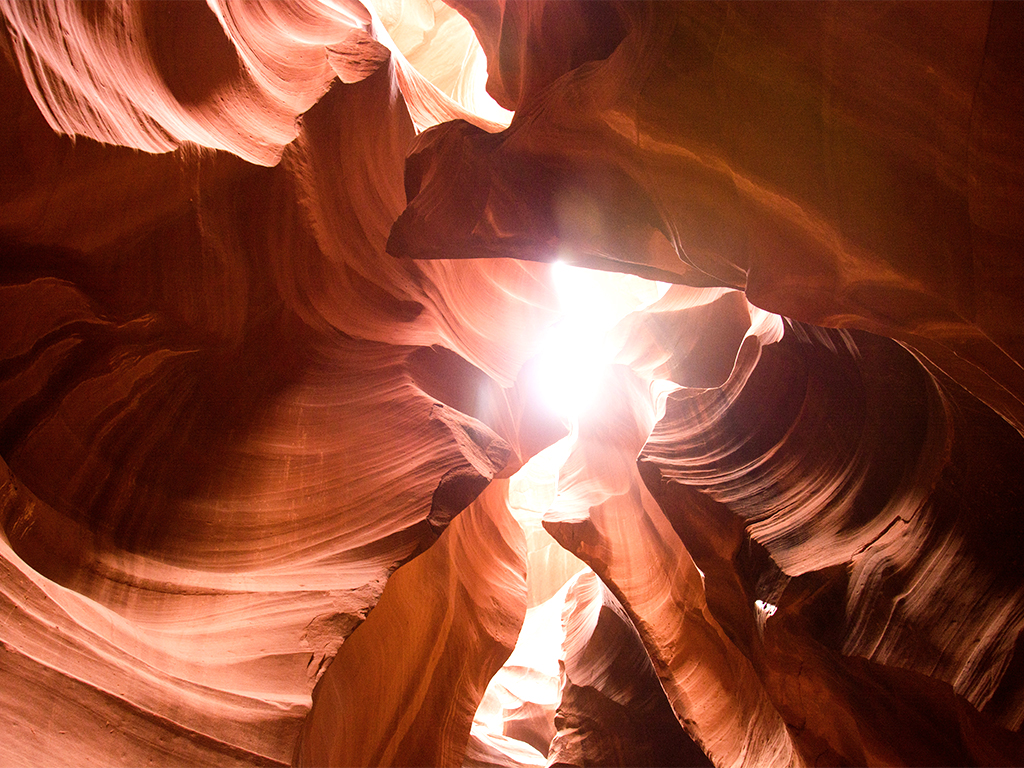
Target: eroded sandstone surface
286,290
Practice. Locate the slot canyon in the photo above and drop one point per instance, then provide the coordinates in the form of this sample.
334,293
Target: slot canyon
506,383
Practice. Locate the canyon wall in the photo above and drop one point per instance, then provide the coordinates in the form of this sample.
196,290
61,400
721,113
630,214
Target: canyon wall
279,479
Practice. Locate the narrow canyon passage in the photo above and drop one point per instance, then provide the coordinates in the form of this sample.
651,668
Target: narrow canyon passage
511,383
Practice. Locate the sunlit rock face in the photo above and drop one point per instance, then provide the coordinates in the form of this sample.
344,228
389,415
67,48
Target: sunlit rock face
310,456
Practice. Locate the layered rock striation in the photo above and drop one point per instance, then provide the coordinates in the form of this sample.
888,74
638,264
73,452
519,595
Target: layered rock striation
280,478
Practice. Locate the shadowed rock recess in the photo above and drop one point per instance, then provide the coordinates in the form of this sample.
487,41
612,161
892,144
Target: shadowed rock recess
510,383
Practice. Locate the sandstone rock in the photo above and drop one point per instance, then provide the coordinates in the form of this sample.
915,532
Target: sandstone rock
277,470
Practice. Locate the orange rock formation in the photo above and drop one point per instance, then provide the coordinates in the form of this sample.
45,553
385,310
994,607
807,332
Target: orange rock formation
283,480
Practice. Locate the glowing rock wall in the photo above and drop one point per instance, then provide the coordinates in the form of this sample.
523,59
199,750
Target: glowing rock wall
278,482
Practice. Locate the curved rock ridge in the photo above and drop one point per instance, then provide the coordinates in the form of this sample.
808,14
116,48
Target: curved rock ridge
197,453
836,163
613,710
442,68
578,689
605,515
284,474
514,723
791,629
112,70
408,698
120,692
891,503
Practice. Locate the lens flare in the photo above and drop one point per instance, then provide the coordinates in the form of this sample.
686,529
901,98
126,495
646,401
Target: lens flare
569,368
576,350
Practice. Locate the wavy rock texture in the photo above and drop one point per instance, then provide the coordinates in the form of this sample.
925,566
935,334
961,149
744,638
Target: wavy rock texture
407,698
278,479
888,505
612,709
608,519
839,164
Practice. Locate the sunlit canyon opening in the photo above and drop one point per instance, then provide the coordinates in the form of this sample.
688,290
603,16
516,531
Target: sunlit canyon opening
511,383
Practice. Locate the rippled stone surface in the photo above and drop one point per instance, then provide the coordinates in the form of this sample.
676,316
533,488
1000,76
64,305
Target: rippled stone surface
278,479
